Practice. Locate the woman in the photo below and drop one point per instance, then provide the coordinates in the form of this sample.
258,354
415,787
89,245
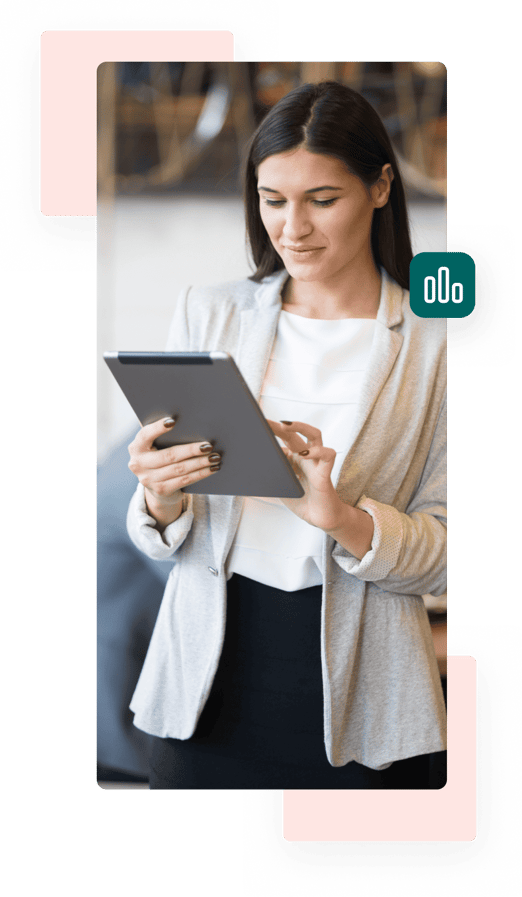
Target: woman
292,648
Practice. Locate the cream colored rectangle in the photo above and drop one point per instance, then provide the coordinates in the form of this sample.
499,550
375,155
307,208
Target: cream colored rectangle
447,814
69,60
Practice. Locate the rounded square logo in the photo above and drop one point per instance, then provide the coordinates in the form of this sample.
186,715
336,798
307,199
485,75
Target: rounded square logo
442,284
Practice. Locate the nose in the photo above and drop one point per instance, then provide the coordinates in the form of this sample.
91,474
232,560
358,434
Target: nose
297,223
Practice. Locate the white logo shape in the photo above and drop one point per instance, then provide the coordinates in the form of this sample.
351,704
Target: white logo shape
432,294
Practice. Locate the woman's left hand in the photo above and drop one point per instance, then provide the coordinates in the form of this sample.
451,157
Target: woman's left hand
320,505
312,463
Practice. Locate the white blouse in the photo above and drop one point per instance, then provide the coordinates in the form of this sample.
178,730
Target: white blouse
326,361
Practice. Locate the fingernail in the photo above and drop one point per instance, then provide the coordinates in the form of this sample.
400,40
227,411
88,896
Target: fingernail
169,422
205,448
287,422
216,467
304,452
214,457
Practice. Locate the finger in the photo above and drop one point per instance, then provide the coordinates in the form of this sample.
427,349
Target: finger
291,458
296,443
178,470
174,454
277,428
288,429
146,436
312,434
168,487
288,433
320,455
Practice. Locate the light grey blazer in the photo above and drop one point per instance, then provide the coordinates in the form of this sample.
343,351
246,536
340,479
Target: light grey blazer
382,695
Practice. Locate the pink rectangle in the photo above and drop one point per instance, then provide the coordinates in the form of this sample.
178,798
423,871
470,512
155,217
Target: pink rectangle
447,814
69,60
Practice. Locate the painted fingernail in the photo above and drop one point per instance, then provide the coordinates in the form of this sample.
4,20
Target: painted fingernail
304,452
169,422
214,457
205,448
216,467
287,422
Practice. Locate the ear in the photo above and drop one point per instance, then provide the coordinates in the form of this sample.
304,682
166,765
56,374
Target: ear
380,192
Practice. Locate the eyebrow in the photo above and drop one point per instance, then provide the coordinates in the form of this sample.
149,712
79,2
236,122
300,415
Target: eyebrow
313,190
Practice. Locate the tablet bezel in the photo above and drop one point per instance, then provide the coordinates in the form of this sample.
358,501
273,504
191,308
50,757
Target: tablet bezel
253,463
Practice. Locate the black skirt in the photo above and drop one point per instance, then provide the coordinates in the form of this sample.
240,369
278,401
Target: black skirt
262,725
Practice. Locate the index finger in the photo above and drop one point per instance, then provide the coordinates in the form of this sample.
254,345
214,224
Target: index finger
145,437
289,430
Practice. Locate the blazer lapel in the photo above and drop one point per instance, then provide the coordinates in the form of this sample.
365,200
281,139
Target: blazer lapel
257,333
385,348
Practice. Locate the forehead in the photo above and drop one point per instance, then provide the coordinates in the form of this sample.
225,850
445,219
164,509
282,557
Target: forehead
300,168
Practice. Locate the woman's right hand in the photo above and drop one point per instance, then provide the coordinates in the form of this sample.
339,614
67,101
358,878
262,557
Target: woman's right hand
165,472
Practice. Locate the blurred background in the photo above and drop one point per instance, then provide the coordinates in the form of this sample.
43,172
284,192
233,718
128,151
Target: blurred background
171,138
170,142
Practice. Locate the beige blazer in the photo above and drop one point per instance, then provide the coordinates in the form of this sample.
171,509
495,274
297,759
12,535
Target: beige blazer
382,695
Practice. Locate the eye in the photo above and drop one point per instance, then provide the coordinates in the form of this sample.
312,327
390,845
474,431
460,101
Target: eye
319,203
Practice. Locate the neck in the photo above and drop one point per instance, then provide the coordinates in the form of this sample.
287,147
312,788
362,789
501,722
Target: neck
354,295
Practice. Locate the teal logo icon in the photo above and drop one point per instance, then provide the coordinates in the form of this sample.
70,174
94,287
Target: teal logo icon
442,284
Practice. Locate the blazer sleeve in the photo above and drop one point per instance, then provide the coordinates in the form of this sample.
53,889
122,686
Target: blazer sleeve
140,525
408,551
142,528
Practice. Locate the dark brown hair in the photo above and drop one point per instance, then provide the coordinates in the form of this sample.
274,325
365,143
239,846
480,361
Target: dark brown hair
331,119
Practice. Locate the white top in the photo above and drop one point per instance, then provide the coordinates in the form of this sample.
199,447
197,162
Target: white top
325,360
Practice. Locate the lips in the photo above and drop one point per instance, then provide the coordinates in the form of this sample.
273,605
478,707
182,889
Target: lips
303,248
303,254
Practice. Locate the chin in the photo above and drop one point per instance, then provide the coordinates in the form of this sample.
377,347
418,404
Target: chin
304,278
305,272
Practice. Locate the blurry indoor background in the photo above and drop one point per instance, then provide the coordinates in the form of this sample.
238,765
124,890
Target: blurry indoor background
170,143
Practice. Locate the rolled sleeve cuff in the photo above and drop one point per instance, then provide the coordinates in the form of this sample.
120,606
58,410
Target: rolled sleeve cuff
143,532
386,544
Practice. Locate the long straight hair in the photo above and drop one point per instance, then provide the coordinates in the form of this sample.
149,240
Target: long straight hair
330,119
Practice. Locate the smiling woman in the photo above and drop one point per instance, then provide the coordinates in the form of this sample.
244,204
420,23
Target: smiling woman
333,121
324,243
292,648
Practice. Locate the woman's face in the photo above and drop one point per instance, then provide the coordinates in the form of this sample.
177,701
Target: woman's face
317,214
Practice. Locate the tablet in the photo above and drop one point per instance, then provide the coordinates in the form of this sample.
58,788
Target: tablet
208,397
